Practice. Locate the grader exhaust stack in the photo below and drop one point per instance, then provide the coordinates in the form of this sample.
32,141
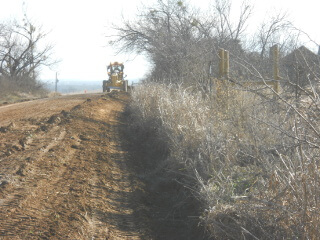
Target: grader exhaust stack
116,78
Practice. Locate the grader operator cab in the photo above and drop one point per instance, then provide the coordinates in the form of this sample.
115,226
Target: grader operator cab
116,79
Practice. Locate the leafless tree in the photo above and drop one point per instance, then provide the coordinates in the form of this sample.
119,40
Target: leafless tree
179,40
22,51
166,32
272,31
225,27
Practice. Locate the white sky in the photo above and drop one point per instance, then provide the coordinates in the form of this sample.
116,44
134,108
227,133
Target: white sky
78,29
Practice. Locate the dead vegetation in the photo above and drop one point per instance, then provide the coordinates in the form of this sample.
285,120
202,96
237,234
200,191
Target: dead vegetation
248,154
254,162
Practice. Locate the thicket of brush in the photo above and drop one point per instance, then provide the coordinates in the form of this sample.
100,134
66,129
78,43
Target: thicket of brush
252,162
12,91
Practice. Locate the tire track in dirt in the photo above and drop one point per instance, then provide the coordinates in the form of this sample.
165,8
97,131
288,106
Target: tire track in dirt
28,183
112,217
67,177
43,149
41,108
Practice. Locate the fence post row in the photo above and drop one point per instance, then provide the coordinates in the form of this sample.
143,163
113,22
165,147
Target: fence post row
224,67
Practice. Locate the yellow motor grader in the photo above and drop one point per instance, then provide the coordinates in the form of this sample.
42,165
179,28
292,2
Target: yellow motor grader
116,79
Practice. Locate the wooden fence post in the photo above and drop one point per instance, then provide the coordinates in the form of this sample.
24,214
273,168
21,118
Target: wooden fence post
221,63
222,82
226,64
275,60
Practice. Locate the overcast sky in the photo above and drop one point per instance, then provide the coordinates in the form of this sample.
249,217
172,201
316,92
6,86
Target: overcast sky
78,29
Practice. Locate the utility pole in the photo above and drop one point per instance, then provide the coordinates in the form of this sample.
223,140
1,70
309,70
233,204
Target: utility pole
56,86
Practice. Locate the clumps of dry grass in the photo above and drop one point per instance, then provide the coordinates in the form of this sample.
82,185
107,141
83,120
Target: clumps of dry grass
12,90
255,161
6,86
54,94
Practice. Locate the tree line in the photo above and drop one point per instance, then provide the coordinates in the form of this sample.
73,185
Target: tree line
182,42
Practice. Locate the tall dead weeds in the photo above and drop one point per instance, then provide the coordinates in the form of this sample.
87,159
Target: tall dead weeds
255,160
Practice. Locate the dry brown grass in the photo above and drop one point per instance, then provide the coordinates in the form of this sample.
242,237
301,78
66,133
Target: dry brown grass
12,91
255,160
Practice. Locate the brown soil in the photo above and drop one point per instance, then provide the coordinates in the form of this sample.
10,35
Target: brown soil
64,171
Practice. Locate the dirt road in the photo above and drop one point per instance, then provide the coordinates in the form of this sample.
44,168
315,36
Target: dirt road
63,171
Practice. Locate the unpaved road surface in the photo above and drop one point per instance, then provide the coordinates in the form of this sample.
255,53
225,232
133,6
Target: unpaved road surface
64,173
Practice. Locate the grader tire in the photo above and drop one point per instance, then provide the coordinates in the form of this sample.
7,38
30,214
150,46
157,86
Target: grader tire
125,85
104,85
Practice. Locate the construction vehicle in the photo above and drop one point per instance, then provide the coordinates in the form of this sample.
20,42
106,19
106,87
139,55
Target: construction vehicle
116,78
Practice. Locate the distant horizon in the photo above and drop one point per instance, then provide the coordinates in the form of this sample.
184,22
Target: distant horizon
82,80
74,86
85,80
